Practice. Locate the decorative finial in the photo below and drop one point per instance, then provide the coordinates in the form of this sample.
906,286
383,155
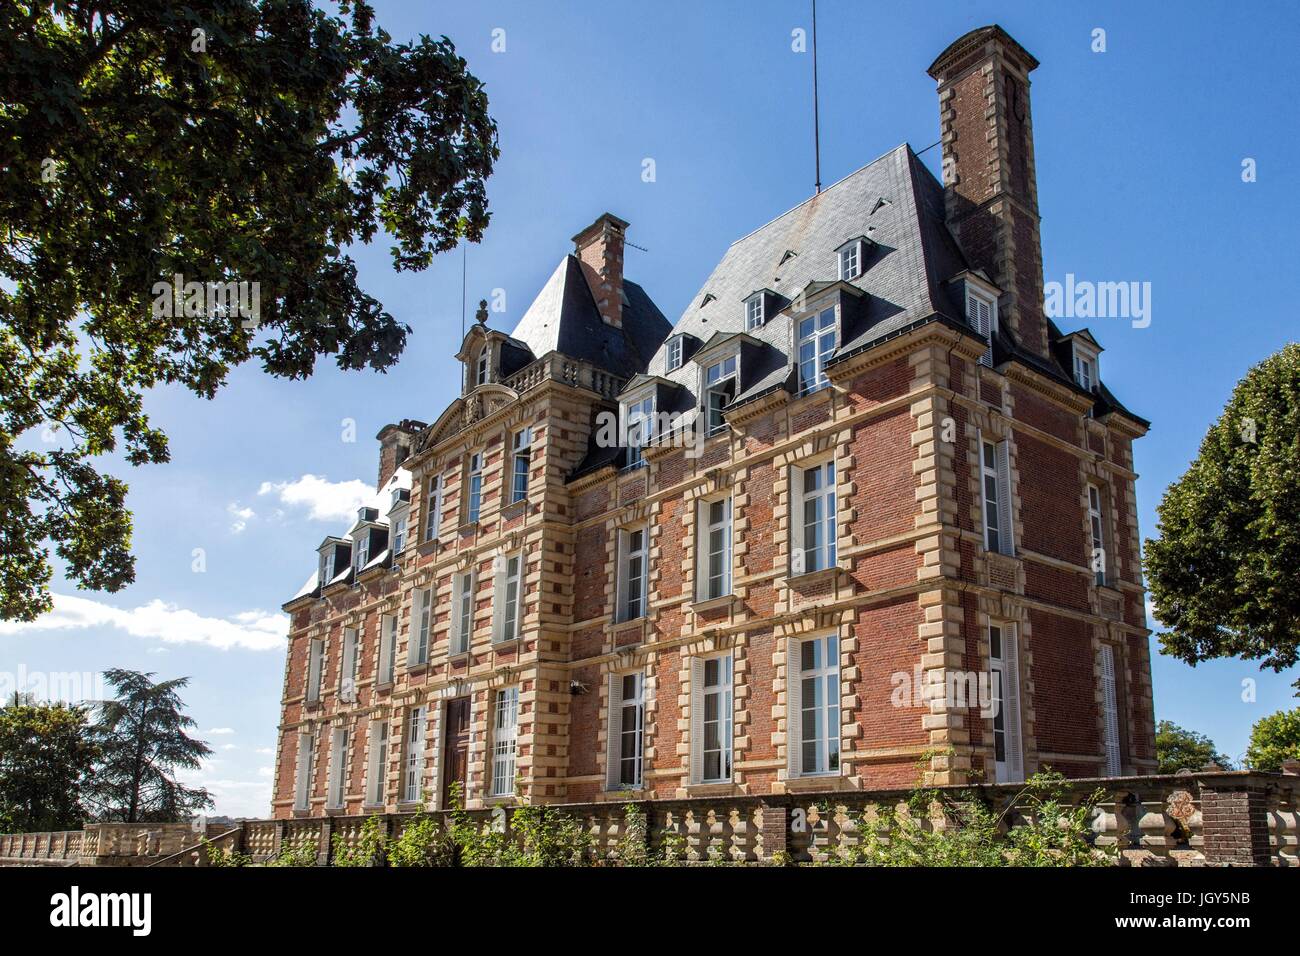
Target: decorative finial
481,314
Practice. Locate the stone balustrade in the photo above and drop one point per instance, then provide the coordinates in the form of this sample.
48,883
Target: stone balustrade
1207,818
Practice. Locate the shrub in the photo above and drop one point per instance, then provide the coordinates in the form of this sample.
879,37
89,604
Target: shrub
370,848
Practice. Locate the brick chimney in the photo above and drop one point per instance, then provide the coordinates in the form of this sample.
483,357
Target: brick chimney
991,198
395,443
599,248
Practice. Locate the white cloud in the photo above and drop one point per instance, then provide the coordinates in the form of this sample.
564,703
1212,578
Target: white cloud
265,750
265,771
221,731
160,621
1153,622
324,500
239,517
229,746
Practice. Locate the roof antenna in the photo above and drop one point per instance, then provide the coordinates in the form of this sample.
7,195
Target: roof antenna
817,141
464,258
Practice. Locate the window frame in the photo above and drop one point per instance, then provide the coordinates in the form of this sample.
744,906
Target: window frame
638,407
626,581
482,365
377,763
303,769
816,338
361,549
336,789
986,324
505,741
674,352
421,633
1112,746
724,691
350,665
521,451
433,507
315,670
387,671
999,472
1097,532
504,628
474,487
705,528
755,312
827,714
413,753
1087,373
1004,686
825,498
852,251
618,733
462,613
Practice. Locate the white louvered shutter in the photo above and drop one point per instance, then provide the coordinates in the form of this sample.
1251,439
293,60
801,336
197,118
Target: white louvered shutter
1110,710
793,708
1011,701
697,719
983,321
1005,539
614,724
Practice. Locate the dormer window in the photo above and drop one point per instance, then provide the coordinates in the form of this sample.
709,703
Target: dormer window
851,258
363,550
754,316
815,346
674,358
982,315
640,418
326,566
481,367
720,388
1085,368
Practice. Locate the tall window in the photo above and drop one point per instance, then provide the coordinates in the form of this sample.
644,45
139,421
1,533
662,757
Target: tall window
351,665
414,771
711,719
338,767
315,669
714,549
631,574
982,314
505,733
418,652
1004,688
462,612
850,260
362,547
326,565
640,428
481,366
1110,711
1085,370
387,648
674,353
816,344
1097,529
814,528
813,702
432,507
720,384
377,763
754,312
475,502
626,730
995,483
302,785
507,594
399,533
523,455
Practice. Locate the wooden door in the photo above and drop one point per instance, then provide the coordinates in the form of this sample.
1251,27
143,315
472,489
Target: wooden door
455,747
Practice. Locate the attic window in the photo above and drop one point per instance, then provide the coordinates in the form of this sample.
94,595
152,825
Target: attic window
850,260
481,368
982,314
720,386
674,353
754,317
1085,368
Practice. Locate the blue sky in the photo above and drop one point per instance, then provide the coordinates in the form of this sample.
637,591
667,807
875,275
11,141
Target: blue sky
1139,152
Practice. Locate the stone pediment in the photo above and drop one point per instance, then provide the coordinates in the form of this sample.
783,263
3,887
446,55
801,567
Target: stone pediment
482,402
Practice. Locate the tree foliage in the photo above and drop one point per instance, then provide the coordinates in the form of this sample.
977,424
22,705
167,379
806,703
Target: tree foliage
220,141
1273,739
1178,748
1224,570
142,741
45,756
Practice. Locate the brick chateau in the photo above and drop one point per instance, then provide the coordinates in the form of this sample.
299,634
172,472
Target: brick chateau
865,506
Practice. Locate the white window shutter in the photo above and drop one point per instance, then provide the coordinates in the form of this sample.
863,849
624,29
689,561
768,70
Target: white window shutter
621,574
1011,700
614,725
1005,537
697,719
1110,710
793,708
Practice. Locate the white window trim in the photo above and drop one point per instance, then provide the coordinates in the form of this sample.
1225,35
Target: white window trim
433,507
614,757
474,488
303,770
1097,533
521,450
673,356
826,497
505,741
982,316
350,666
1082,354
462,613
1001,475
704,531
361,555
709,389
628,583
830,711
1004,682
413,757
387,648
315,669
400,524
336,794
421,634
637,406
483,365
1110,711
504,628
820,379
377,763
856,249
755,312
725,690
327,564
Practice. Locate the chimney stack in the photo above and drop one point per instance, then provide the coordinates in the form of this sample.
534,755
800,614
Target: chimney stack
599,248
990,194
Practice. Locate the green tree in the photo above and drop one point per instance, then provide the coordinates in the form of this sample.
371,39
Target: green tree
1178,748
1273,739
45,756
220,141
1223,571
142,740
